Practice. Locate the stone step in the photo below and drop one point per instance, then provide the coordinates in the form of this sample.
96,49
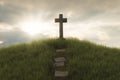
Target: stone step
59,64
60,59
62,68
61,73
60,55
60,50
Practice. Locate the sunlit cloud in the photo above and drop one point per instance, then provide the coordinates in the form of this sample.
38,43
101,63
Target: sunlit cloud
103,36
5,27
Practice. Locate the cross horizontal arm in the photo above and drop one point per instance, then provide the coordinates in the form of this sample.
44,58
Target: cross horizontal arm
59,20
64,20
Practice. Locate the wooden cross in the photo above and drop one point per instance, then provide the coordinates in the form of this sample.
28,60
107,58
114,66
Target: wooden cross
61,20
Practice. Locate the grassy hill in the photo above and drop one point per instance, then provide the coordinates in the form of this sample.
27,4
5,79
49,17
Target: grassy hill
34,61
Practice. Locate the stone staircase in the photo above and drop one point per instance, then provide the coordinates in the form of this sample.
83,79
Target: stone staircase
61,72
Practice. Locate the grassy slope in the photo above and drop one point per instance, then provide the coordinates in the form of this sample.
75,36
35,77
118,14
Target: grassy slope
26,62
86,61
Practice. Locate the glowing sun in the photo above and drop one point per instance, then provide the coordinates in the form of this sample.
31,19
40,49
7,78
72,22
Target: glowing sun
1,42
32,26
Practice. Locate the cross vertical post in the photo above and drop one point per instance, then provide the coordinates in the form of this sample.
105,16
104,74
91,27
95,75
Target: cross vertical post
61,20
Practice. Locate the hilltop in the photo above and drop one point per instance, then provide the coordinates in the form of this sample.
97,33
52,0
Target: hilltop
34,61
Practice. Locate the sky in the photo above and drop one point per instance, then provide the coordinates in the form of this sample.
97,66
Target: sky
93,20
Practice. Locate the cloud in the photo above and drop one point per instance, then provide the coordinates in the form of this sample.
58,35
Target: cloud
77,7
103,36
5,27
76,10
11,37
1,3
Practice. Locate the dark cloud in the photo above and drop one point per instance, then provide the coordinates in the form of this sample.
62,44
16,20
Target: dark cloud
13,37
17,36
9,13
77,9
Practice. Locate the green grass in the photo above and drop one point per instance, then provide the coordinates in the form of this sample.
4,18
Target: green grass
27,62
33,61
88,61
